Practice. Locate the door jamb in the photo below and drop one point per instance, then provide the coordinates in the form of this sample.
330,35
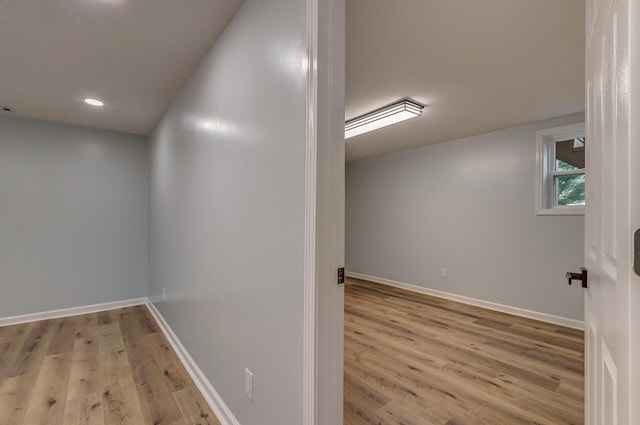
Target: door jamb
323,349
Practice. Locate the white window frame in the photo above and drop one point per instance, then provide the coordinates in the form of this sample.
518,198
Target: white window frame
545,168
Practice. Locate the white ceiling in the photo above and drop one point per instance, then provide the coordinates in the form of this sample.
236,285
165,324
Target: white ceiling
133,54
478,65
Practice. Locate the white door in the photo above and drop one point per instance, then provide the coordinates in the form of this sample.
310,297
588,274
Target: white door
611,301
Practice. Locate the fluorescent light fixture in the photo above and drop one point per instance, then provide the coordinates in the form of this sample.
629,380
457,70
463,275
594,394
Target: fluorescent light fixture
94,102
392,114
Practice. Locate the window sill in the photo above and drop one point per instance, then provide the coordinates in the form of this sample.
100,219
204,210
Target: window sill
561,211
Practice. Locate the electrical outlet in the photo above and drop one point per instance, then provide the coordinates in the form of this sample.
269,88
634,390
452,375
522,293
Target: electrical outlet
248,384
444,273
164,294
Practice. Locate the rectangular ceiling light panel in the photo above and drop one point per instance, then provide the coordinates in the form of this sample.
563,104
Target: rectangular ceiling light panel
392,114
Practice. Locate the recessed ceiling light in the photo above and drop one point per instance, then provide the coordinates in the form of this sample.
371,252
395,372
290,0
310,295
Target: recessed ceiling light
94,102
392,114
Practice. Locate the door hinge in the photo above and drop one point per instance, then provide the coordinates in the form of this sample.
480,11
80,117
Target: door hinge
340,275
636,252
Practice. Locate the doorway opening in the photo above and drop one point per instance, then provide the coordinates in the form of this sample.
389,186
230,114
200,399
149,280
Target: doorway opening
462,223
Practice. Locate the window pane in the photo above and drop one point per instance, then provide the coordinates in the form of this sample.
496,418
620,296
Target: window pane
569,190
570,154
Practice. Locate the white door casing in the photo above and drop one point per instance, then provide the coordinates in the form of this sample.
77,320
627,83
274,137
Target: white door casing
610,215
634,299
330,207
324,214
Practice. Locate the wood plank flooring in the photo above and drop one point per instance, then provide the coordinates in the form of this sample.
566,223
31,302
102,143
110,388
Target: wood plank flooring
107,368
413,359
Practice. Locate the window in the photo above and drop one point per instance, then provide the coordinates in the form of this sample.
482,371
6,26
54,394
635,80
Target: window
560,179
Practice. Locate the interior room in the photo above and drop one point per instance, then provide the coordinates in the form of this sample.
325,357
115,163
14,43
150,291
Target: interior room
151,160
457,306
317,212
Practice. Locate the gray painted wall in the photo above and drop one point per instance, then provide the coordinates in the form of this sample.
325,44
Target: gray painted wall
466,205
227,204
73,216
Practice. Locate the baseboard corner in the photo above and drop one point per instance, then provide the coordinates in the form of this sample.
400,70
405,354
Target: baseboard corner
221,410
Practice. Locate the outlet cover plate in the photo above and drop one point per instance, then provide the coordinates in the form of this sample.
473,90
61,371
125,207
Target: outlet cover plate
248,384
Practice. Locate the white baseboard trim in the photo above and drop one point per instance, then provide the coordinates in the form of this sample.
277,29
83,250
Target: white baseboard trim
222,412
218,406
530,314
66,312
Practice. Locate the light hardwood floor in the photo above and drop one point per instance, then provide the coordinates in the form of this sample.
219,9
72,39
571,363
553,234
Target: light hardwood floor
413,359
106,368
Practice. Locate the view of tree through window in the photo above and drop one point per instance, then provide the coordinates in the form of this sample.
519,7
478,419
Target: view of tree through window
569,178
570,190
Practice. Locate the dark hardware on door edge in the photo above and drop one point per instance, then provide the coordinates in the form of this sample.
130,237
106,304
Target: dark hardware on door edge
636,252
582,276
340,275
